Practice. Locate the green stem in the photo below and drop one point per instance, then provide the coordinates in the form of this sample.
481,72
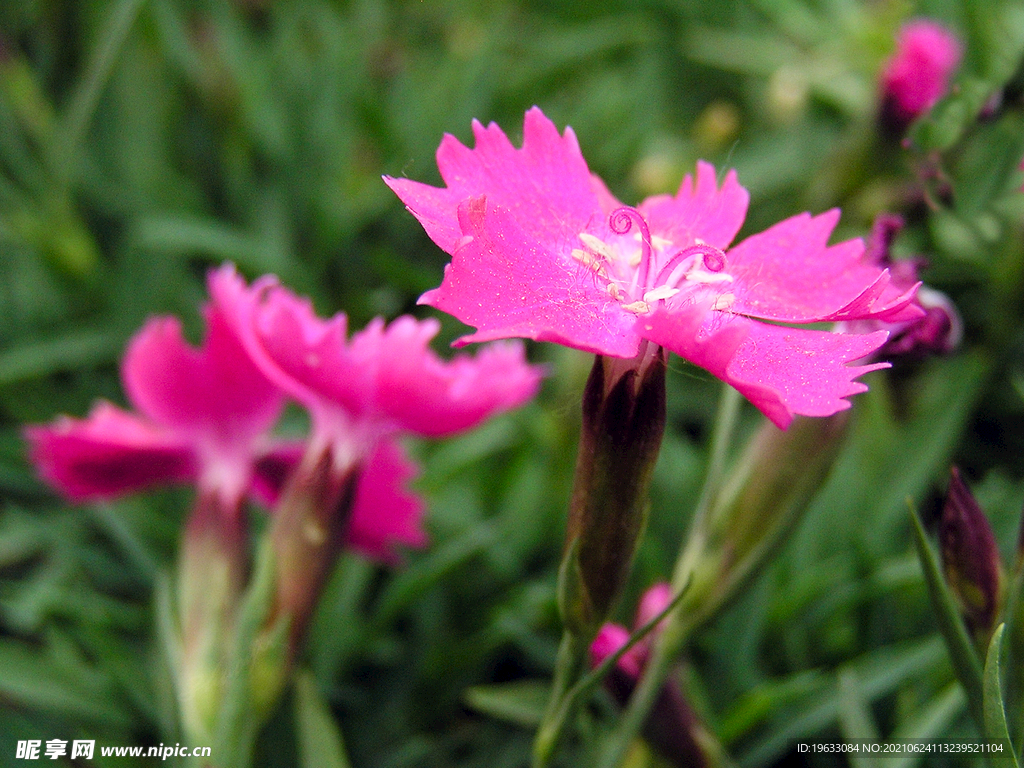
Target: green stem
572,656
238,722
671,639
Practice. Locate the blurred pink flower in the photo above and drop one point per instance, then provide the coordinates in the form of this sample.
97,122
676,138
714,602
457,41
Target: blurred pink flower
203,416
917,75
542,250
362,392
383,381
612,637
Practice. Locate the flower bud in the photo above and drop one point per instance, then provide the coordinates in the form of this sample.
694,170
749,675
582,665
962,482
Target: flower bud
917,76
672,727
772,485
970,558
623,423
307,534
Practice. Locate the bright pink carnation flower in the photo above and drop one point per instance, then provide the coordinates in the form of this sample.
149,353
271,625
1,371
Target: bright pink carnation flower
542,250
204,415
917,76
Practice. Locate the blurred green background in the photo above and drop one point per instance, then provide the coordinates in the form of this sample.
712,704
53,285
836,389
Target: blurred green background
143,142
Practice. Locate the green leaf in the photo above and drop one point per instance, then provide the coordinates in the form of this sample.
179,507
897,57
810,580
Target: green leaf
855,718
520,702
320,741
995,713
879,672
35,681
74,349
961,651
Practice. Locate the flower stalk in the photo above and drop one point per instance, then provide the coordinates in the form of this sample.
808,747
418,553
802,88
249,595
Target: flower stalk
623,424
742,525
212,569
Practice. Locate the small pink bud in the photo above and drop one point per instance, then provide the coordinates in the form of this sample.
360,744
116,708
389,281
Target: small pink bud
610,638
917,76
654,601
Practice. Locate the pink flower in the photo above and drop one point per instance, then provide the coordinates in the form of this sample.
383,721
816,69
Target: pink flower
917,76
363,392
936,331
672,726
542,250
204,415
383,381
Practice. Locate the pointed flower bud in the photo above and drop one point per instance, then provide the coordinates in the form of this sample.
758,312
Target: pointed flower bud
970,558
764,496
623,423
917,76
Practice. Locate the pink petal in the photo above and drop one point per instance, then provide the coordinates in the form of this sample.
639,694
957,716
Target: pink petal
386,515
108,454
606,201
214,392
384,379
704,212
547,183
789,273
428,396
655,600
610,638
304,355
783,371
506,284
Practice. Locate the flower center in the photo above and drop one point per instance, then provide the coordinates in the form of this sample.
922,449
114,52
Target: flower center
651,270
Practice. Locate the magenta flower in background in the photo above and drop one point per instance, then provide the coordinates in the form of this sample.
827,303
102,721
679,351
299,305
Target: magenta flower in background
362,392
204,416
612,637
917,76
383,381
542,250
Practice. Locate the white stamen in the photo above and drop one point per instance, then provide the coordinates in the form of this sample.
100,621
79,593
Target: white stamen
637,307
724,301
597,246
614,291
703,276
660,292
588,260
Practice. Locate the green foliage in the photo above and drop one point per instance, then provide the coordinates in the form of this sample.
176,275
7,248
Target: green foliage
143,142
